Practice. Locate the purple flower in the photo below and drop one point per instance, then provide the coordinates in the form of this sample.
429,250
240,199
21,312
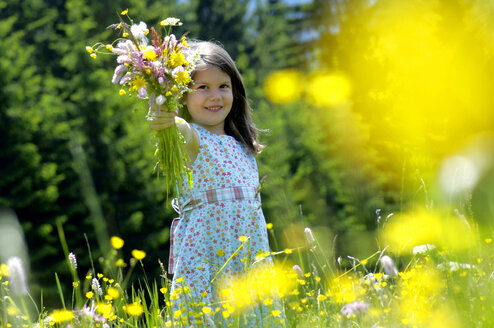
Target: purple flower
142,93
119,70
354,308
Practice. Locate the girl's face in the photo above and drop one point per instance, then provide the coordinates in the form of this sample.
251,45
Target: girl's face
212,99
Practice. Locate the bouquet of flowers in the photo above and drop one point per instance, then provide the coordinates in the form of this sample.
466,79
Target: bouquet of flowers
159,72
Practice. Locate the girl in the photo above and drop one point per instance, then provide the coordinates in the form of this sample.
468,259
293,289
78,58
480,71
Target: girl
223,207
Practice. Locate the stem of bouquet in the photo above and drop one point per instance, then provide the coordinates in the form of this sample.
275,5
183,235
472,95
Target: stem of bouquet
172,156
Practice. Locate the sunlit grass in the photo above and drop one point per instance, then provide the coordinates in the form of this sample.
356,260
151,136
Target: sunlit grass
437,285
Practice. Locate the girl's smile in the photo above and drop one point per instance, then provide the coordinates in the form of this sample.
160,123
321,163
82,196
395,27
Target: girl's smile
212,99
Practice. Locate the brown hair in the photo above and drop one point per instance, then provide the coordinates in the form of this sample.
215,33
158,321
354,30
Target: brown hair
238,123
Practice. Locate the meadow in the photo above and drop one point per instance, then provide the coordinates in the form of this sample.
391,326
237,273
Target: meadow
435,271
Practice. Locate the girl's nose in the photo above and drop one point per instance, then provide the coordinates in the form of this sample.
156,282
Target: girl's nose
215,95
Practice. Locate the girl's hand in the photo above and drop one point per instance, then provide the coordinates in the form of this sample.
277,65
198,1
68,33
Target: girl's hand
160,118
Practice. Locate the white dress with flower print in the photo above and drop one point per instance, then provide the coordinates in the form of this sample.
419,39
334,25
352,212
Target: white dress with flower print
208,233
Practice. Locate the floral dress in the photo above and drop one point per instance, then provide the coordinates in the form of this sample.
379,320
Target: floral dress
222,206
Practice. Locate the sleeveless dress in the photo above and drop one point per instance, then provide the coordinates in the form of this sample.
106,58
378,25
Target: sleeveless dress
222,206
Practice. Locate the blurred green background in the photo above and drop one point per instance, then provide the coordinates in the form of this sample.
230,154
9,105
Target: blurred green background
369,108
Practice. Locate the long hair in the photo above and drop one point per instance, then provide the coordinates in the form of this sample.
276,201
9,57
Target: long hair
238,123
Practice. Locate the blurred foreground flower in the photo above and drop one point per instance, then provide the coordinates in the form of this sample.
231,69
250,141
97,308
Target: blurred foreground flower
406,231
260,284
17,276
284,86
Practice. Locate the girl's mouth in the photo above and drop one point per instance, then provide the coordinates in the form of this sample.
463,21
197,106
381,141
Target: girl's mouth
214,108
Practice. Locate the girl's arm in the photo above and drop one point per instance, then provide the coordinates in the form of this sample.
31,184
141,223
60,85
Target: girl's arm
165,119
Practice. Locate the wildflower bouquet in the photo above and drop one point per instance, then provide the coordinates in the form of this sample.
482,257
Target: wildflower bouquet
159,72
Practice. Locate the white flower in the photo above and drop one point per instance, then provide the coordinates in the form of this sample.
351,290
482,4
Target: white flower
455,266
96,286
309,236
73,261
423,249
298,270
139,32
160,100
17,276
388,266
171,21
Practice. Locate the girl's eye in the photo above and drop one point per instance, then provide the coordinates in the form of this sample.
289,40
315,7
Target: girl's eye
202,87
224,86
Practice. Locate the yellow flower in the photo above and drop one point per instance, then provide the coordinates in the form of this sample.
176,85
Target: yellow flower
99,275
138,254
139,82
13,310
125,34
488,240
364,262
288,251
268,301
242,238
75,284
89,294
321,298
168,324
204,294
163,290
174,88
182,77
168,94
123,13
105,309
120,263
62,315
117,242
109,47
92,55
176,59
206,309
89,49
177,314
134,309
122,92
269,226
275,313
150,55
220,252
113,292
4,270
89,277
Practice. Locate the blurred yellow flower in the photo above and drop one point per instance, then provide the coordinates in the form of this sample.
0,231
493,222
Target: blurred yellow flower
120,263
424,226
150,55
182,77
220,252
105,309
284,86
123,13
163,290
89,49
122,92
61,315
176,59
113,292
206,309
269,226
4,270
135,309
138,254
117,242
276,313
89,294
328,89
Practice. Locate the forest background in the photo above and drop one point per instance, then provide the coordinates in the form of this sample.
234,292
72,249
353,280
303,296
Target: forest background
374,108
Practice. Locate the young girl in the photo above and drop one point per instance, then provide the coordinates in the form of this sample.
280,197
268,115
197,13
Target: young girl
224,204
